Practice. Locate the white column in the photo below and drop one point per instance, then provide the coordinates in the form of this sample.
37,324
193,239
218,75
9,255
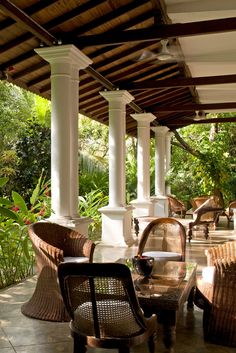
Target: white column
169,136
143,205
116,217
160,200
65,61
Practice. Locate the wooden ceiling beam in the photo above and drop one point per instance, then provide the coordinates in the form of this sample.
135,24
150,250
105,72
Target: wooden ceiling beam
179,82
195,107
159,32
30,10
203,121
28,23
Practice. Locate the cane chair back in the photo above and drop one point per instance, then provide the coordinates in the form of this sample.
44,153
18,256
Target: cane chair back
163,235
103,306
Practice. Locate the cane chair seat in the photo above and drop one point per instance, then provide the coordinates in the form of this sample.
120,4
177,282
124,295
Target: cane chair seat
103,307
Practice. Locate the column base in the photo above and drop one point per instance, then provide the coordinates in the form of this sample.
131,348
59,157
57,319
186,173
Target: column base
117,226
160,208
80,224
142,207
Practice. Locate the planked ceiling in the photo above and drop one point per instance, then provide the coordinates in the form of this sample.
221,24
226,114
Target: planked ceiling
123,38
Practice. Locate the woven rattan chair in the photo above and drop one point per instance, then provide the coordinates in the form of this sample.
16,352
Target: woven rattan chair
103,307
162,238
176,207
52,244
222,251
215,294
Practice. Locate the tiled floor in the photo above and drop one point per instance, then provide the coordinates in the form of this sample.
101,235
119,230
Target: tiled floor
24,335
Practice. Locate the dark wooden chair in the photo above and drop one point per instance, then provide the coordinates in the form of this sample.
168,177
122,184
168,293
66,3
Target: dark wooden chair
165,235
103,307
229,212
215,294
53,244
206,213
176,207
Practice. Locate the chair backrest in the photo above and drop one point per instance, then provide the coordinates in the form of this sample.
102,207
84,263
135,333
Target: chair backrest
232,205
164,234
52,233
101,300
176,206
212,202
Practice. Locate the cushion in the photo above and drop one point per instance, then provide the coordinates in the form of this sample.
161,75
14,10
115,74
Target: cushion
163,255
76,259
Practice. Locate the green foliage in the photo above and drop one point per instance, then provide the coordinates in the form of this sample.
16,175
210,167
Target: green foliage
16,255
33,152
213,171
89,206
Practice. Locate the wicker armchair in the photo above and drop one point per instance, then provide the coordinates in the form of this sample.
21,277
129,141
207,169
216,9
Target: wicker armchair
223,251
176,207
103,307
165,235
215,294
52,243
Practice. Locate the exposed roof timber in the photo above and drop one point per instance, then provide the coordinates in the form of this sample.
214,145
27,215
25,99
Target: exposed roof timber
159,32
52,23
30,10
179,82
215,120
204,121
106,18
27,22
49,39
195,107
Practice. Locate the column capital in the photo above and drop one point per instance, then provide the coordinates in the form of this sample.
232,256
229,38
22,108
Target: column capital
143,119
160,130
64,54
117,96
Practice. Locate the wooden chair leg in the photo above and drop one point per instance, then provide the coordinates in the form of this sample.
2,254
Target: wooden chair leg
124,350
152,342
79,345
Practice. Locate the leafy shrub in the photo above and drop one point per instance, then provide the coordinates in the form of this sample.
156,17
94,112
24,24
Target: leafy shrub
16,254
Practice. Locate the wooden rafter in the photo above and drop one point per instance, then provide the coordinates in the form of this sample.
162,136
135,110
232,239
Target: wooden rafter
160,32
179,82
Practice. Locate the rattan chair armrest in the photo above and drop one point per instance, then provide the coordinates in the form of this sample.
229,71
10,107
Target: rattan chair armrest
52,253
223,251
78,245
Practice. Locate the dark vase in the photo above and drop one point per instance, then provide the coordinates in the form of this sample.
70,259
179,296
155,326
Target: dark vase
143,264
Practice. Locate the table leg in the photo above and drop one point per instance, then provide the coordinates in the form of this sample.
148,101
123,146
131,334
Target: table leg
190,304
167,318
169,337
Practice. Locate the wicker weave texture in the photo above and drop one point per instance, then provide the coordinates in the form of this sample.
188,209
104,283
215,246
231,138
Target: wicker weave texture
103,306
223,251
51,242
218,299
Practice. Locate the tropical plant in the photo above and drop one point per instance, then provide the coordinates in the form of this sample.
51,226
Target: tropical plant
89,206
16,255
203,161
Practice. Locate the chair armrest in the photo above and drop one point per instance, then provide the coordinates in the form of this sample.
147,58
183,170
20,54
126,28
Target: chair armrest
78,245
223,251
203,211
53,254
